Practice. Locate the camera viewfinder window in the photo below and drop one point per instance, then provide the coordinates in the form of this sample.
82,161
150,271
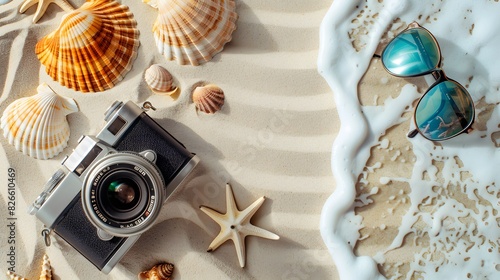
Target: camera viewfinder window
116,125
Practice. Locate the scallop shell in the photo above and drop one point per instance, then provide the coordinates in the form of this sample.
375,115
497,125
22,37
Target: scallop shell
193,31
13,276
93,47
208,99
46,273
161,271
37,125
159,80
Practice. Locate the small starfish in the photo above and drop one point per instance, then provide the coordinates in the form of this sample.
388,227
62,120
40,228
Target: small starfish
235,225
42,7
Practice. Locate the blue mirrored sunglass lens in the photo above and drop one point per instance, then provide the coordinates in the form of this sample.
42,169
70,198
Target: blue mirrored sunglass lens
413,52
446,110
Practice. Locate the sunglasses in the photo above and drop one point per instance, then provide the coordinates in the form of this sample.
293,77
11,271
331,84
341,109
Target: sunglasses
446,109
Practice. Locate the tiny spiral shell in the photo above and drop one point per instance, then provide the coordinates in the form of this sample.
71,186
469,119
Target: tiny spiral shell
208,99
162,271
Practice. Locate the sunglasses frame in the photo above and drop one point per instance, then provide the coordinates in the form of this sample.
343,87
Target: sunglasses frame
439,75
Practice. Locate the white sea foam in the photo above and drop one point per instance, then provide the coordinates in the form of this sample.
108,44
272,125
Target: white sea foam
465,234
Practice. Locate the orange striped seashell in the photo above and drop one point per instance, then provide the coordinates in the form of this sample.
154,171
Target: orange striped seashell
93,47
37,125
193,31
208,99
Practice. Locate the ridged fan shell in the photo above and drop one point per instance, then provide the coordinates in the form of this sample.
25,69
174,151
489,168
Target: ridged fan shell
37,125
208,98
159,79
93,47
161,271
193,31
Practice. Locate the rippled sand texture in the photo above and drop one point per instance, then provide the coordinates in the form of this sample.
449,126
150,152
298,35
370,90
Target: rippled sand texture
272,138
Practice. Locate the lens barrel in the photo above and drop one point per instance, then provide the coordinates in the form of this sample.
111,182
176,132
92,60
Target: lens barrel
123,193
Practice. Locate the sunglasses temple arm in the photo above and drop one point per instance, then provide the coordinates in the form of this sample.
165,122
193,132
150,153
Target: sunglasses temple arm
412,133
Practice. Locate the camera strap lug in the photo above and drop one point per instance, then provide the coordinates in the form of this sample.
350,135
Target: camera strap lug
146,106
46,236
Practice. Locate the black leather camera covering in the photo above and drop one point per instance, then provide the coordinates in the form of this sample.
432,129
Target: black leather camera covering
146,134
77,230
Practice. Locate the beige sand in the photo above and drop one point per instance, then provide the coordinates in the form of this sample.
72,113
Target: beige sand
273,138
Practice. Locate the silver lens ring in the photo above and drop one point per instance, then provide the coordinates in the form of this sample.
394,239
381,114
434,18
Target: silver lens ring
123,193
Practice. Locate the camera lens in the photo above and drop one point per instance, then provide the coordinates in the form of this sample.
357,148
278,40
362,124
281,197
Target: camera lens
123,194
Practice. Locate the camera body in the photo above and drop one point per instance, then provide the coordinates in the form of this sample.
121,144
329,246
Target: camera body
113,185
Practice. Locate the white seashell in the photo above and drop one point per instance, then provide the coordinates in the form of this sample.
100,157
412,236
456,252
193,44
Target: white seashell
37,125
46,273
159,80
193,31
161,271
93,47
208,98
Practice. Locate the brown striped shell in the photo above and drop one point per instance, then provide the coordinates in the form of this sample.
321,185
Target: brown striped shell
93,47
193,31
208,98
161,271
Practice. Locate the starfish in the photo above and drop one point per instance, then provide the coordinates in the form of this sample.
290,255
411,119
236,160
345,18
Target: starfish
42,7
235,225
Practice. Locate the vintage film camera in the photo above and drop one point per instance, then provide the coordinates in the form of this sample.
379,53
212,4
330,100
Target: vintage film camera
114,185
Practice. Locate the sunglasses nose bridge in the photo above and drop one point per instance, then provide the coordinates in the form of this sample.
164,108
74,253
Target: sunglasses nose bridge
439,75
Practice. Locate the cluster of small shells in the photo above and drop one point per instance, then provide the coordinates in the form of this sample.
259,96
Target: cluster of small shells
46,273
208,98
161,271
